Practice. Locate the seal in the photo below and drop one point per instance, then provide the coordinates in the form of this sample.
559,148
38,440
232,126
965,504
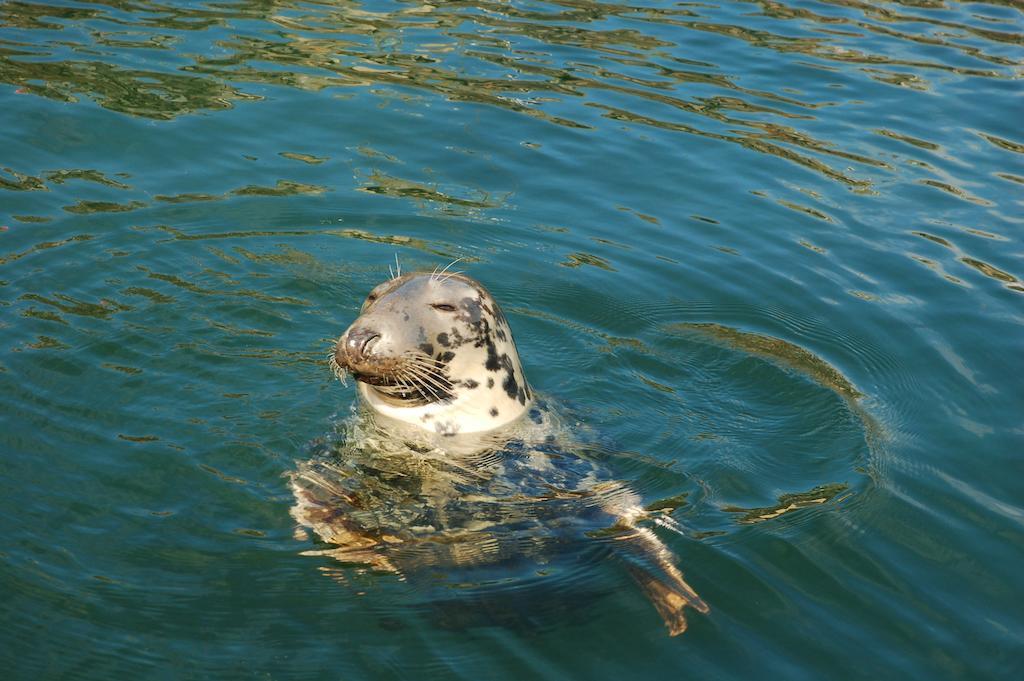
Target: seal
435,351
453,461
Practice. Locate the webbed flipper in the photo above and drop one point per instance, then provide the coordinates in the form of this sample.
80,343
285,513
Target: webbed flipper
652,565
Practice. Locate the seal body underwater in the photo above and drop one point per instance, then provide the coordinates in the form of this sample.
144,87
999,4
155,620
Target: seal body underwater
453,461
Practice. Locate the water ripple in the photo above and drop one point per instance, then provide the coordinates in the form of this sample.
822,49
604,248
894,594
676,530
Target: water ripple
505,56
766,252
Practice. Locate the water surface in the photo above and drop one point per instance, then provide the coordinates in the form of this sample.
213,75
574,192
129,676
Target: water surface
770,250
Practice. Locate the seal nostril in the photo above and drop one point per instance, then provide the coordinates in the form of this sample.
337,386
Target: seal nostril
360,342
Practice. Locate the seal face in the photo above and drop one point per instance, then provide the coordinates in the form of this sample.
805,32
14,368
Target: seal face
435,352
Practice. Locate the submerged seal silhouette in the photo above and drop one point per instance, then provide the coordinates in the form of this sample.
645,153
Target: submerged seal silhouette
447,471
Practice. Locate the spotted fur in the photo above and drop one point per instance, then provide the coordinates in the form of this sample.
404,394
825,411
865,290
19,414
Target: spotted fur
440,355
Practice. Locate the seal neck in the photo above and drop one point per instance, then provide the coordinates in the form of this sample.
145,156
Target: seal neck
471,411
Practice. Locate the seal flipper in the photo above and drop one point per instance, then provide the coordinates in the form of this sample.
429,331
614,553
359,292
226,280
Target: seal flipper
668,603
670,594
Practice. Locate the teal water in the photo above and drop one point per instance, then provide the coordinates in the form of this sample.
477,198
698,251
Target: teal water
771,250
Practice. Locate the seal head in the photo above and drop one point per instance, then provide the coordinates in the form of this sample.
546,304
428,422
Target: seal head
435,352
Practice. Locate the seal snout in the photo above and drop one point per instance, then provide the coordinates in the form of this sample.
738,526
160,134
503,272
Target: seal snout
358,344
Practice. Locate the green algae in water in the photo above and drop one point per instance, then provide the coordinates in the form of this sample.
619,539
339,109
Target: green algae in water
788,503
783,352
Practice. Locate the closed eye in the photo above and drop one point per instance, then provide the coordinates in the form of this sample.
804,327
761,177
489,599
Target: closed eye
443,307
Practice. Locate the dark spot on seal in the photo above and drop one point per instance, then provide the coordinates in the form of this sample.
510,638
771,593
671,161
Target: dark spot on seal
470,383
535,415
427,348
495,312
472,307
490,382
455,338
442,338
446,356
510,385
493,364
500,333
494,411
521,396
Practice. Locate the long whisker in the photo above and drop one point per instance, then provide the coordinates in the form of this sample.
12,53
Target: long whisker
405,386
435,392
427,364
416,376
433,375
398,266
427,380
338,371
417,365
416,356
450,275
449,265
395,387
422,386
